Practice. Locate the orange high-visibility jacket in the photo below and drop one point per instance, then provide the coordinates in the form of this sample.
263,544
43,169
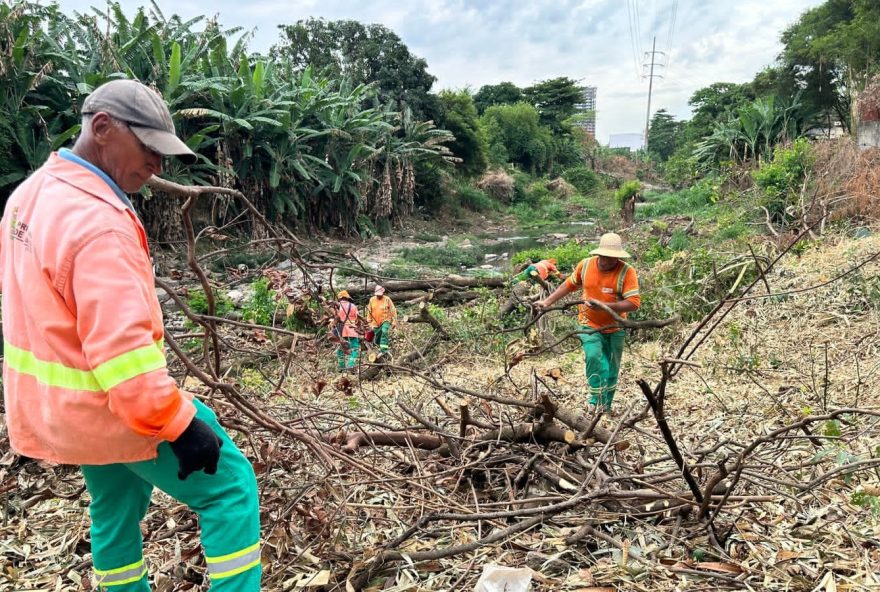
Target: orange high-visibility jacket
348,316
621,283
381,310
84,373
545,267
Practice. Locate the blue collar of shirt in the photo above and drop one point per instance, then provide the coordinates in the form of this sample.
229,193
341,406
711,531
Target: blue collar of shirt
68,155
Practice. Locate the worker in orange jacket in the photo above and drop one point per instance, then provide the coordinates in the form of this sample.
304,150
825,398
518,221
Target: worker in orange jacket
346,331
542,269
383,317
84,374
604,278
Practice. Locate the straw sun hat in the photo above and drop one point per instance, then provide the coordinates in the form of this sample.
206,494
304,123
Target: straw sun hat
610,245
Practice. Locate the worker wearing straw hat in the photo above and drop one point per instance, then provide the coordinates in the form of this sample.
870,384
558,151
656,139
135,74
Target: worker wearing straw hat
383,317
604,278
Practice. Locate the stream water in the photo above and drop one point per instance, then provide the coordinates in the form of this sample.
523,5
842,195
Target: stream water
500,247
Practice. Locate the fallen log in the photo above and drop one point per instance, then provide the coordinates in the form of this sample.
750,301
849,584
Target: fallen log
452,281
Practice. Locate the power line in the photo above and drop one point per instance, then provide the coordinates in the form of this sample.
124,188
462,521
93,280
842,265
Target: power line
638,24
670,34
652,64
632,38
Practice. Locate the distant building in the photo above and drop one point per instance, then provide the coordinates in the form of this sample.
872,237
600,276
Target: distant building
587,106
633,142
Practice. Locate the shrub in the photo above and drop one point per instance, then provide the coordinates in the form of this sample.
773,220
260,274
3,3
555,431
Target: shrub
473,198
567,255
537,192
261,306
584,179
781,179
685,201
449,256
626,191
680,170
198,302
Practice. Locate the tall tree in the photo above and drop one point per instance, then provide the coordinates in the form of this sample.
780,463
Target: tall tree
829,54
665,135
514,134
362,54
556,100
459,116
503,93
715,103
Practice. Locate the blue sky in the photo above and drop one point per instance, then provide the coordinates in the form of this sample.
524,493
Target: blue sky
599,42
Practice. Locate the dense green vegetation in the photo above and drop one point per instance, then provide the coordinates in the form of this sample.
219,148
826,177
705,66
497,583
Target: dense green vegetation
335,129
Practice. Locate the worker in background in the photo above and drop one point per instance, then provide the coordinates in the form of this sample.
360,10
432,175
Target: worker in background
346,331
604,278
542,269
382,316
85,380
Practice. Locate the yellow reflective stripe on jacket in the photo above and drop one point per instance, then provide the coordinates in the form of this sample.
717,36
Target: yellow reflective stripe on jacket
226,566
139,361
121,575
111,373
49,373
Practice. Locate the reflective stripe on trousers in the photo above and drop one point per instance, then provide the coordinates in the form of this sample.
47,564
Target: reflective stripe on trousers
227,505
121,575
232,564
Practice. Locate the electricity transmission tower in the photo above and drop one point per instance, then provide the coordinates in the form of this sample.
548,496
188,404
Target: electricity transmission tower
653,62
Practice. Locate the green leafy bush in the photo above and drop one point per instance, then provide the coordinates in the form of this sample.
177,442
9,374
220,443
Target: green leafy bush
449,256
688,283
474,199
681,170
683,202
781,179
567,255
261,306
626,191
198,302
584,179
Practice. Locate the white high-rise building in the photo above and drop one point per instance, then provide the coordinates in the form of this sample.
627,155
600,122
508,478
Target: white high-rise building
588,105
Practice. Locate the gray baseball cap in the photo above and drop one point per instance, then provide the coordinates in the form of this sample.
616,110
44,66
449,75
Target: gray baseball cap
144,111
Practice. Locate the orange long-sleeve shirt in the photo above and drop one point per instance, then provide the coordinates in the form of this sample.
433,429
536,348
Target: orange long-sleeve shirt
380,310
84,373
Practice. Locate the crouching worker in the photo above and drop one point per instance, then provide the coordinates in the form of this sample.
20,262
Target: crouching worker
607,279
383,317
84,376
542,269
346,330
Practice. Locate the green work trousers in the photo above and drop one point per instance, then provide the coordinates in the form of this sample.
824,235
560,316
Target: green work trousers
226,503
382,336
350,346
602,354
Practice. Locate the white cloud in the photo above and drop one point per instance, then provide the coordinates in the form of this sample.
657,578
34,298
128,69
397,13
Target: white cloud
477,42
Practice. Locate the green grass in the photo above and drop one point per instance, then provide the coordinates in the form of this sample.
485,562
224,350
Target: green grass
693,201
452,255
428,237
567,255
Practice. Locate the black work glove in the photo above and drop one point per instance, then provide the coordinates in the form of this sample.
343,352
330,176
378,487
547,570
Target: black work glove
197,448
